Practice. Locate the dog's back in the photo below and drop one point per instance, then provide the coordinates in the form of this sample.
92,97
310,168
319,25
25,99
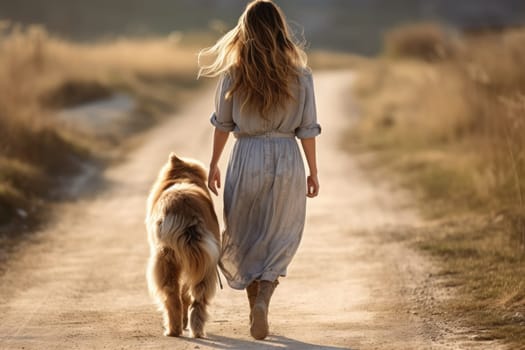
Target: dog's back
184,221
184,238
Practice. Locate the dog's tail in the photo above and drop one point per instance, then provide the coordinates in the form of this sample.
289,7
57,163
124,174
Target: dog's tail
184,226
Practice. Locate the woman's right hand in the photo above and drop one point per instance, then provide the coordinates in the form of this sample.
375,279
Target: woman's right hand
214,179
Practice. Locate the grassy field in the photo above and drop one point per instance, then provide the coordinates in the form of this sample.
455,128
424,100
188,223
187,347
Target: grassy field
444,114
40,75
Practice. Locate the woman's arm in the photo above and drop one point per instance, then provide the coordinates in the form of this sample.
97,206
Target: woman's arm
311,158
214,176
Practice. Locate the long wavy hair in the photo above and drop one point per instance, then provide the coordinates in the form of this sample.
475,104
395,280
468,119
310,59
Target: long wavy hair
261,57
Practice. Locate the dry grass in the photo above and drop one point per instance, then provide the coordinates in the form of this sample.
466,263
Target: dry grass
40,74
454,130
486,273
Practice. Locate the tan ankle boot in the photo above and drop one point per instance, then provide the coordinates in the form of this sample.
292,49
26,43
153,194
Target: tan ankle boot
252,290
259,327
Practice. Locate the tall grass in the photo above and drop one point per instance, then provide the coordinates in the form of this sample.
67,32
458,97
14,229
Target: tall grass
496,76
453,127
40,74
466,113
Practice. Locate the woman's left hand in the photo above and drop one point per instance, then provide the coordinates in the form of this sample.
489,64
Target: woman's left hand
312,184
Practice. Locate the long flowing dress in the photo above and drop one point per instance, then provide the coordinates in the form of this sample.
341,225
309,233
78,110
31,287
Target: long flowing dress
265,187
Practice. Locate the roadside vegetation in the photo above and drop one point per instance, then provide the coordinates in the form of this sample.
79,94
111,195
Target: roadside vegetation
41,74
444,113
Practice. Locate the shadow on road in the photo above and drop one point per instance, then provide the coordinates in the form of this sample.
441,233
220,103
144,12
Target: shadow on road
272,342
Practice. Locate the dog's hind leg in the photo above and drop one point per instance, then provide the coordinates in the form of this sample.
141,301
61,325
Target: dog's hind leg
166,277
202,293
186,301
173,316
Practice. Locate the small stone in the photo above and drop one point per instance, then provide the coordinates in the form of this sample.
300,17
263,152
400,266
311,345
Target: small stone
518,316
22,213
481,337
499,218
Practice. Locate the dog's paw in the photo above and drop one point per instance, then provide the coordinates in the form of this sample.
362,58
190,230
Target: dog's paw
172,333
197,334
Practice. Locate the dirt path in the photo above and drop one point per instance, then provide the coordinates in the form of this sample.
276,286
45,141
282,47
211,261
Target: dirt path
81,283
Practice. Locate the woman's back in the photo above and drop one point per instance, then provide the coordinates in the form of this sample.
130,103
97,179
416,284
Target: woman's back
296,118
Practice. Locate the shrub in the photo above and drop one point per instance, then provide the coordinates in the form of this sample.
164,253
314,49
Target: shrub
427,42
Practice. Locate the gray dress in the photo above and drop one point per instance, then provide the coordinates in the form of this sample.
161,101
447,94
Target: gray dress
265,187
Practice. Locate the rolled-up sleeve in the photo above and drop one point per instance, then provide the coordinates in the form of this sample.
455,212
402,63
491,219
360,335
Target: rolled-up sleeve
222,118
309,126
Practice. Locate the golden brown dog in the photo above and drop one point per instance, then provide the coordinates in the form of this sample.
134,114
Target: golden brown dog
183,234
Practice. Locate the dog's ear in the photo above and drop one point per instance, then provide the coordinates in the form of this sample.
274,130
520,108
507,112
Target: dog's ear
174,159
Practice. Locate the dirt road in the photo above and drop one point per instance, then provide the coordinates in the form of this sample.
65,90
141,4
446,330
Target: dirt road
80,283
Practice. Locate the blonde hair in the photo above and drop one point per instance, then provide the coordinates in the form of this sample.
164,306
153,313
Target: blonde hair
260,56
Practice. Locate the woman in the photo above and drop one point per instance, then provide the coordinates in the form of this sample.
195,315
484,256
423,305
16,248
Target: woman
265,97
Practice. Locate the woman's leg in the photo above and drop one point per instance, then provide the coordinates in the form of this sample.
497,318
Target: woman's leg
259,326
252,290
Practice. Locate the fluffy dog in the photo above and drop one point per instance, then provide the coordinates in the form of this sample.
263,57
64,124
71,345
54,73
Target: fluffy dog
183,234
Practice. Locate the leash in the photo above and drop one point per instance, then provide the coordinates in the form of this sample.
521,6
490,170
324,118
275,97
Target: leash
220,281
